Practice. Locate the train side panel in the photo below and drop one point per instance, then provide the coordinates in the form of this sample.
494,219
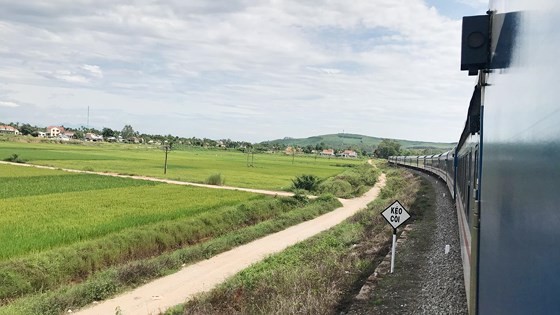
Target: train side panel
519,262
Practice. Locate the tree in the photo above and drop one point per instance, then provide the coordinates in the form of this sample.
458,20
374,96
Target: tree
127,132
27,129
387,148
107,132
79,134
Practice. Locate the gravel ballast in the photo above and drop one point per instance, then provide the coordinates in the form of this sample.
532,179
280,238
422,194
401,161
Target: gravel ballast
427,280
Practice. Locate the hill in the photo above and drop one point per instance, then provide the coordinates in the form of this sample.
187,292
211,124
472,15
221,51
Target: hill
345,140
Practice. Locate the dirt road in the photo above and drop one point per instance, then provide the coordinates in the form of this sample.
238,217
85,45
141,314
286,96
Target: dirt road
174,289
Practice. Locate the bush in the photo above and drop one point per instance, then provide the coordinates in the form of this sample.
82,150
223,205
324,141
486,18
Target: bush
15,159
337,187
300,197
306,182
216,179
352,182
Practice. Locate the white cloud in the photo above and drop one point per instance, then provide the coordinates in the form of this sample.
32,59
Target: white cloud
8,104
65,76
93,70
333,63
477,4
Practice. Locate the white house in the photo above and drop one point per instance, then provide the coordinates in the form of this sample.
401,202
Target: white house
9,129
348,154
327,152
93,137
54,131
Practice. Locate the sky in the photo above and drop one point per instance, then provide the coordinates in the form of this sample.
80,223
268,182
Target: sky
247,70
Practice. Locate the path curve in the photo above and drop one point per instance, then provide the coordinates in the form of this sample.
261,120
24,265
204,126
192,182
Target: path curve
163,293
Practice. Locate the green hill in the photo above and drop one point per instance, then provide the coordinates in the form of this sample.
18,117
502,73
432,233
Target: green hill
341,141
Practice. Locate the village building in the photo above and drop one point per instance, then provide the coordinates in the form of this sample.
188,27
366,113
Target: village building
9,130
54,131
327,152
348,154
93,137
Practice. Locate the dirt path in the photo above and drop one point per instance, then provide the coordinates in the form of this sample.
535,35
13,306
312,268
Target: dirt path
160,180
174,289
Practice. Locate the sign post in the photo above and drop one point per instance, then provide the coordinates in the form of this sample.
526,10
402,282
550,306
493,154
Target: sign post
395,214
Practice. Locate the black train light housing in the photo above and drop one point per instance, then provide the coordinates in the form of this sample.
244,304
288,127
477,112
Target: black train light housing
475,44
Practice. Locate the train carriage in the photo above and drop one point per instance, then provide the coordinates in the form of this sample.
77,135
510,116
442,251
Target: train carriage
504,174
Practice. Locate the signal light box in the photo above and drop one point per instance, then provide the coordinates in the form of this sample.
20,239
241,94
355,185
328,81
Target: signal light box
395,214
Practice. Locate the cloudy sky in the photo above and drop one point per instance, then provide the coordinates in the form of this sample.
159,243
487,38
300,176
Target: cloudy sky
250,70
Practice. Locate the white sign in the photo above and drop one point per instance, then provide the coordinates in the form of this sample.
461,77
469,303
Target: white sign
395,214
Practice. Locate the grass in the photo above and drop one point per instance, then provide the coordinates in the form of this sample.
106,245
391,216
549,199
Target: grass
216,179
270,171
312,277
35,223
352,182
21,186
396,292
116,279
15,159
62,234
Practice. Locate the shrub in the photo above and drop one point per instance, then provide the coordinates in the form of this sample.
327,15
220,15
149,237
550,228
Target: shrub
337,187
216,179
300,197
306,182
15,159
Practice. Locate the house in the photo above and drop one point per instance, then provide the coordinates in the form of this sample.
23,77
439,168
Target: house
93,137
69,134
54,131
327,152
41,134
135,140
290,151
348,154
9,129
63,137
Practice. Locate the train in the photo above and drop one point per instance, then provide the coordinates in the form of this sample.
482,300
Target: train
504,172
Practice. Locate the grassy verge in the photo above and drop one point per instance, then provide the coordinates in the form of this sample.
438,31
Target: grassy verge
317,275
113,280
396,292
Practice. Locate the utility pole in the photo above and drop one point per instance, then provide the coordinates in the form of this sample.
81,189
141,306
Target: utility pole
166,147
247,150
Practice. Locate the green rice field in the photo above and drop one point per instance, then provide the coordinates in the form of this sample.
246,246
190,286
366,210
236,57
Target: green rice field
269,171
46,209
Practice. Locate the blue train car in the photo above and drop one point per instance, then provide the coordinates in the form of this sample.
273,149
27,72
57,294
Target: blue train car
504,173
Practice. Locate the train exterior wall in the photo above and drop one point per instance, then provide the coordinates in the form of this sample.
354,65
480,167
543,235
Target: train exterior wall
519,253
